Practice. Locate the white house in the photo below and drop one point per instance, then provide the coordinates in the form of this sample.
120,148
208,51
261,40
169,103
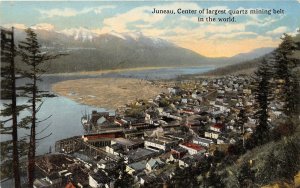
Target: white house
202,141
95,181
161,143
192,148
217,127
211,134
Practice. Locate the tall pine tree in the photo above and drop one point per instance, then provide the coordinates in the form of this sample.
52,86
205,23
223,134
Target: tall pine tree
34,58
262,97
285,63
242,119
9,124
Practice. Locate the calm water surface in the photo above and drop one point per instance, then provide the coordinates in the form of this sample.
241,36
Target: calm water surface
66,114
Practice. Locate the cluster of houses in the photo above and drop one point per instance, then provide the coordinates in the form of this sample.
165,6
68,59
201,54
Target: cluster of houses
175,129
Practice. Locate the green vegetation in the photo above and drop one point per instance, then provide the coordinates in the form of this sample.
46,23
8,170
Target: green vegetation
272,154
262,97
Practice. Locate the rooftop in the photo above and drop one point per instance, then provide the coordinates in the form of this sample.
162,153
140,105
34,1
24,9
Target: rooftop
200,139
162,140
193,146
141,165
139,153
218,126
123,141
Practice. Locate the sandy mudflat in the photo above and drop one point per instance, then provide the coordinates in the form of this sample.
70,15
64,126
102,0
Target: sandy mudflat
108,93
100,72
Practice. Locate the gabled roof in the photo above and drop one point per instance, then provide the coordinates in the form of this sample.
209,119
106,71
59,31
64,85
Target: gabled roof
155,162
139,153
141,165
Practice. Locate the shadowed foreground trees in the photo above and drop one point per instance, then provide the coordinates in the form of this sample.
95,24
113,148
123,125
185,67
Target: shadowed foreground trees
34,58
11,150
8,90
262,97
284,66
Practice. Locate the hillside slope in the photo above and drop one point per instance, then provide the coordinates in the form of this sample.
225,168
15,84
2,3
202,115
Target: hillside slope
88,51
248,67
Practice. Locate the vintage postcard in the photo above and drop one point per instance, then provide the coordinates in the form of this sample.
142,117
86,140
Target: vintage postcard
150,94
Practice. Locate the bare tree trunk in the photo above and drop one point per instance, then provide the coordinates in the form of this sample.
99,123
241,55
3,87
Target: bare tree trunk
32,144
14,117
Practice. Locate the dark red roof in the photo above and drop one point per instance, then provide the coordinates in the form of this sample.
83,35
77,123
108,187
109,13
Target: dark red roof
193,146
218,126
95,137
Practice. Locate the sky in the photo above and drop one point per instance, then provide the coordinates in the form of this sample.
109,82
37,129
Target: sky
211,39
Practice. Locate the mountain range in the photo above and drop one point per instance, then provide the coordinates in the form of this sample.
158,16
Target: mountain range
88,51
249,66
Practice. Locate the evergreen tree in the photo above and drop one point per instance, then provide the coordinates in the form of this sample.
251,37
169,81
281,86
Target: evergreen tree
262,97
9,124
294,98
34,58
242,119
285,63
8,89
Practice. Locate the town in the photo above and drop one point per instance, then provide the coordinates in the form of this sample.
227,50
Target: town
110,94
149,141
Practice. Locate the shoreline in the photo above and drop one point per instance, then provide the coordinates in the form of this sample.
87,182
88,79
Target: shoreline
65,88
107,93
100,72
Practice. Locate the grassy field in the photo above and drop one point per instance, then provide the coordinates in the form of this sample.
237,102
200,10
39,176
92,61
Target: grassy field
108,93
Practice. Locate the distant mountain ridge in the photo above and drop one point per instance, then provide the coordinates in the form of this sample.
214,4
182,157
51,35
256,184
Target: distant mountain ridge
88,51
249,66
253,54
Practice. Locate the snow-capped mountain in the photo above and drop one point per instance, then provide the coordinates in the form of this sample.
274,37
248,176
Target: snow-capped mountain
138,36
86,35
81,34
88,51
115,34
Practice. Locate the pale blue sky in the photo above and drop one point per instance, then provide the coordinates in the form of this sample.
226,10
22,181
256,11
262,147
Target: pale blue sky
210,39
